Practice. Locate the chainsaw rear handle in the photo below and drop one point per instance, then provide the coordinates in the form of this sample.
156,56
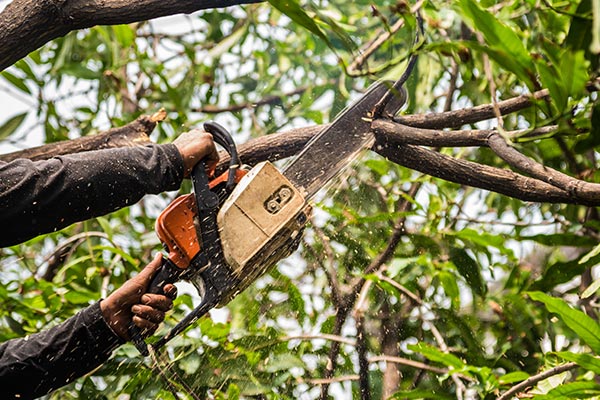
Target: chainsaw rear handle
168,271
207,203
222,137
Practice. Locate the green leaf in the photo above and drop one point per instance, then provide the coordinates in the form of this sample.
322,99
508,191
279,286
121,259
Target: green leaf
588,256
282,362
126,256
585,327
586,361
561,239
590,290
504,44
572,390
398,265
551,81
80,71
481,238
124,34
80,297
14,325
595,130
435,354
227,43
292,9
469,269
574,72
513,377
579,36
448,282
106,228
12,125
17,82
565,80
561,272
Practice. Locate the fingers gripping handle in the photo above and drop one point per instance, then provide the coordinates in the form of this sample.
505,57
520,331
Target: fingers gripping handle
168,273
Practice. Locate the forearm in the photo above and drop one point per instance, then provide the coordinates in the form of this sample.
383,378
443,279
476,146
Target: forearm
45,196
56,357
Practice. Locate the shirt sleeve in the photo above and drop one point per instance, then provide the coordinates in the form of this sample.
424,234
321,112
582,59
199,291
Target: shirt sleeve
45,196
33,366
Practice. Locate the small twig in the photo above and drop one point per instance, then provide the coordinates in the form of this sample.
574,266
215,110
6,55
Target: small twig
487,67
322,336
451,85
401,288
327,381
409,363
532,380
361,350
268,100
64,251
412,61
379,40
329,268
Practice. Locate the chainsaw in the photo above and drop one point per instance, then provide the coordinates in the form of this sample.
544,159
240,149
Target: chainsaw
232,229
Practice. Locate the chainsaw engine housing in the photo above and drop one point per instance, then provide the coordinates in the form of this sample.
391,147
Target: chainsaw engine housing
261,222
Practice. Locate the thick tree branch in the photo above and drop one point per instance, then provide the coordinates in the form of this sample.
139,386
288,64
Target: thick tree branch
26,25
457,118
476,175
582,190
133,134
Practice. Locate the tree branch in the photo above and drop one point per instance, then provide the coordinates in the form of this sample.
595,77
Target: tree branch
532,380
367,51
475,175
457,118
26,25
585,191
133,134
409,363
268,100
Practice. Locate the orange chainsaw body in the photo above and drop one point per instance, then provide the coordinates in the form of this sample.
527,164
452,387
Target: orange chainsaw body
175,225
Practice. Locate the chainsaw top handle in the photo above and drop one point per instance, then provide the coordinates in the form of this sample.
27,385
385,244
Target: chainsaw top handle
223,138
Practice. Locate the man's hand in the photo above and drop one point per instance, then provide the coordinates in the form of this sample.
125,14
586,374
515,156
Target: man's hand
131,303
194,146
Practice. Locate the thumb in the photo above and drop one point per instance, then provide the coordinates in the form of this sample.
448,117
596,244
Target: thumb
146,274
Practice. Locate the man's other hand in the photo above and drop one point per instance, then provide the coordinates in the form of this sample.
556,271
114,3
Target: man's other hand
194,146
131,303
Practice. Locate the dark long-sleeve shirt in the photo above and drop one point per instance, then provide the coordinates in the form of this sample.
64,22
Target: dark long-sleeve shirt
44,196
34,366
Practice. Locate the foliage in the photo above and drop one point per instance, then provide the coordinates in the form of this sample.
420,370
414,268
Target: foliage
461,291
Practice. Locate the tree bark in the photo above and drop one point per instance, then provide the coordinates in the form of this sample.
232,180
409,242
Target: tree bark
26,25
133,134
